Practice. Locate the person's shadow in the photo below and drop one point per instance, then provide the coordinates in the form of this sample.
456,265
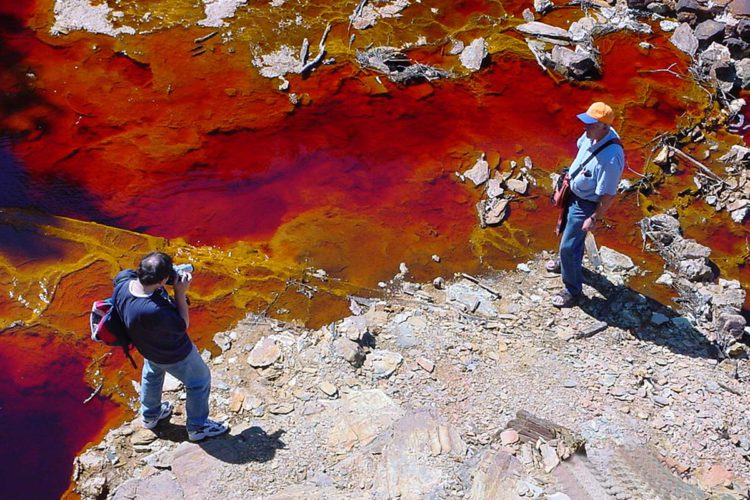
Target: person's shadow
251,445
644,318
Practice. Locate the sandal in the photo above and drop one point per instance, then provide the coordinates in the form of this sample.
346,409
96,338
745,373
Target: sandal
553,266
565,299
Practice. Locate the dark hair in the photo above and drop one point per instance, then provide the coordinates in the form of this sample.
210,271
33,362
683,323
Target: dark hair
154,267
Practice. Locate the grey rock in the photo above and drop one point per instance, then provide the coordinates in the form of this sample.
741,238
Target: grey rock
542,30
469,294
473,55
687,6
383,363
360,418
739,154
659,8
740,215
732,325
743,29
405,337
659,319
353,327
615,261
543,6
495,476
222,340
577,65
350,351
456,47
162,486
265,353
668,26
737,47
479,173
709,31
684,39
695,270
518,185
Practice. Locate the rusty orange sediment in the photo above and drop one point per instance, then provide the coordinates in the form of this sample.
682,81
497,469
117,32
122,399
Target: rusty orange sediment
138,142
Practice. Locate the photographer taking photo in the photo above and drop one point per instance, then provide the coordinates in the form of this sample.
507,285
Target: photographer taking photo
157,325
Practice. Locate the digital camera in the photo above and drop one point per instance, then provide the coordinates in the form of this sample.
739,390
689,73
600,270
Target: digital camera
178,271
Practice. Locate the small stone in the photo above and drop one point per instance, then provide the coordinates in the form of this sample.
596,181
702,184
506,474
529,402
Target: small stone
665,279
265,353
661,400
426,364
549,457
509,437
659,319
438,283
142,436
281,408
436,258
235,403
328,389
569,383
383,363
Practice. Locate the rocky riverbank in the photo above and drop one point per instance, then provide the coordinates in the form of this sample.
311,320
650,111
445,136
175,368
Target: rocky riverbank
438,393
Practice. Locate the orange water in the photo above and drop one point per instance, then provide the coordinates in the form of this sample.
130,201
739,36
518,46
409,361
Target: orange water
121,146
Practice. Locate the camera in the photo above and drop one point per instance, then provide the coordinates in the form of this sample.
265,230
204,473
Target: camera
178,271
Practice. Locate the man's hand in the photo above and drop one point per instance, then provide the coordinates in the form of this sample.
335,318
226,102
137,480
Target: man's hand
182,283
589,224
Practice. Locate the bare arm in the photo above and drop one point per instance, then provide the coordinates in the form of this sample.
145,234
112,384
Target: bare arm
605,201
180,297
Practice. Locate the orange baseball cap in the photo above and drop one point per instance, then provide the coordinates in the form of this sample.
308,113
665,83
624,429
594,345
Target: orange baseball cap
598,112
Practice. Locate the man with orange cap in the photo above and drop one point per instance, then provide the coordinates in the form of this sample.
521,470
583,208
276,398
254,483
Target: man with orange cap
594,176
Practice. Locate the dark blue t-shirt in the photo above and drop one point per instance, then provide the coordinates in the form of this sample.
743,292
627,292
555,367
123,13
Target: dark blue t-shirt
154,324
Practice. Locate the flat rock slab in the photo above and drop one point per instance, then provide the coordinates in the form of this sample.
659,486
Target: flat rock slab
265,353
198,466
405,471
495,477
476,299
360,418
535,28
162,486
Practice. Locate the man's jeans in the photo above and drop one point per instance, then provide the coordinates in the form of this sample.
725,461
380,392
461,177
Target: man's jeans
572,244
192,372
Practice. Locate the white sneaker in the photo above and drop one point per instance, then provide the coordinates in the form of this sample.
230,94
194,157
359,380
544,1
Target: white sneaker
166,412
209,429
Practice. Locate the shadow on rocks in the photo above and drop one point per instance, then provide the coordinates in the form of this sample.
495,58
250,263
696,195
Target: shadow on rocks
645,318
251,445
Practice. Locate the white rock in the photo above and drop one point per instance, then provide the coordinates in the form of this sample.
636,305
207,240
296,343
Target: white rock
473,55
265,353
480,172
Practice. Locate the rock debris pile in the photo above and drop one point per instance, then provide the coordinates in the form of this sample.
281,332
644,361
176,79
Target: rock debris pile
478,391
714,307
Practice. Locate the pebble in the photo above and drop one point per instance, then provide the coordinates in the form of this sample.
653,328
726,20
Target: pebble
569,383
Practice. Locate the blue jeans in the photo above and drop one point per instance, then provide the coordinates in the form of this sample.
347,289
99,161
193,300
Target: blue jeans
572,244
192,372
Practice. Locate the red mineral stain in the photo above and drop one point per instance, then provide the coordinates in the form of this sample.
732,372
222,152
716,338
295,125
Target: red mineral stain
354,179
